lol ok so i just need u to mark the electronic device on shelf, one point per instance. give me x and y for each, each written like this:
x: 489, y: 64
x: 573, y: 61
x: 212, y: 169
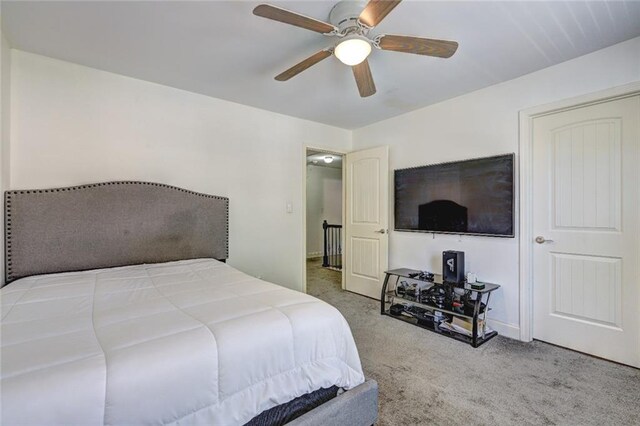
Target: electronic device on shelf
x: 423, y: 275
x: 424, y: 316
x: 396, y: 309
x: 435, y: 296
x: 476, y: 285
x: 453, y: 266
x: 412, y: 290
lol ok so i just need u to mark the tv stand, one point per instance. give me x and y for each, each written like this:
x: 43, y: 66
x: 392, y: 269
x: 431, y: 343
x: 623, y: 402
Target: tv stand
x: 435, y: 305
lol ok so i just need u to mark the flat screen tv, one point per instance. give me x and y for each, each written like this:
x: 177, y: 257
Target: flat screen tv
x: 463, y: 197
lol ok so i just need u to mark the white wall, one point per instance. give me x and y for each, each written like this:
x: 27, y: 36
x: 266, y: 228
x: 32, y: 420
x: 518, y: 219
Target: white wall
x: 5, y: 82
x: 324, y: 202
x: 479, y: 124
x: 72, y: 124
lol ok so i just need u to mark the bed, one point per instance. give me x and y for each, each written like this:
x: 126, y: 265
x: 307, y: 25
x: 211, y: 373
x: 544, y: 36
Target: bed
x: 119, y: 308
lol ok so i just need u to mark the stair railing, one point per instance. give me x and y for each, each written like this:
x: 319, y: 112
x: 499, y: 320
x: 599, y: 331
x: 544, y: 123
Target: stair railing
x: 332, y: 257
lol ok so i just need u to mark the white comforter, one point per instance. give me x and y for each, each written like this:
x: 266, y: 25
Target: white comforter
x: 190, y: 342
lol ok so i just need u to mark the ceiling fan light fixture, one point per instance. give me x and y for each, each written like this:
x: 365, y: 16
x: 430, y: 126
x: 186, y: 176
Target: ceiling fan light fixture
x: 353, y: 50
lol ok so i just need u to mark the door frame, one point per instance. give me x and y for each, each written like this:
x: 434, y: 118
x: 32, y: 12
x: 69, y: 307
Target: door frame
x: 526, y: 118
x: 343, y: 154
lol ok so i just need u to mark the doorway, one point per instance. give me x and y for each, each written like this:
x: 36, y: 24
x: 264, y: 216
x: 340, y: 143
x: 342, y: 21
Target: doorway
x: 324, y: 219
x: 352, y: 248
x: 582, y: 235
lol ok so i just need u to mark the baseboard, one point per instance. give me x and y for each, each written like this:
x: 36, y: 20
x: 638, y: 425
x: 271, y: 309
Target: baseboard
x: 507, y: 330
x: 314, y: 255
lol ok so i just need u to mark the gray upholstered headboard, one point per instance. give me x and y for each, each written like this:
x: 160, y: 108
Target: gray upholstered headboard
x: 110, y: 224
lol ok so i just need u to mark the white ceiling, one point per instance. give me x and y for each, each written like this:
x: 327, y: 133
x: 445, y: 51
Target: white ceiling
x: 219, y: 48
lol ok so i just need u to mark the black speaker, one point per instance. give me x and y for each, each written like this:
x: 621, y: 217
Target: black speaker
x: 453, y: 266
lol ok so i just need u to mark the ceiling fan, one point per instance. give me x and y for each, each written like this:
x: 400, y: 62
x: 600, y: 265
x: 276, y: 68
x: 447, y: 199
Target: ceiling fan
x: 351, y: 24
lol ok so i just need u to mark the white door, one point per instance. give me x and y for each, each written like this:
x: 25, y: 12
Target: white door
x: 367, y: 216
x: 586, y: 225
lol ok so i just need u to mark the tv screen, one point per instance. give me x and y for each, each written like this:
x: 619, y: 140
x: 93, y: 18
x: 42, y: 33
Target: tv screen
x: 463, y: 197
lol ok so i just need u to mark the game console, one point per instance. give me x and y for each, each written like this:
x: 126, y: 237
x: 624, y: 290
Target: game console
x: 453, y: 266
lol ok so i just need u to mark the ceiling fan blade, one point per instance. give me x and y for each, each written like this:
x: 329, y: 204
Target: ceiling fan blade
x: 301, y: 66
x: 376, y: 10
x: 364, y: 79
x: 292, y: 18
x: 418, y: 45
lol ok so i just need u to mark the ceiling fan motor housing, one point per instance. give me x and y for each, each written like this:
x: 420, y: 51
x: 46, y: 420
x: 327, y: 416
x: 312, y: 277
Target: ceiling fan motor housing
x: 344, y: 15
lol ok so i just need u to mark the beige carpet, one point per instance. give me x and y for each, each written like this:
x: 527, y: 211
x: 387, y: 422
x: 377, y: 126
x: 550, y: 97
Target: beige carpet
x: 427, y: 379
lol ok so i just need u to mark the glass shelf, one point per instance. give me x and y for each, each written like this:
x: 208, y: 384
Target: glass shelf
x: 482, y: 338
x: 401, y: 299
x: 437, y: 279
x: 408, y: 314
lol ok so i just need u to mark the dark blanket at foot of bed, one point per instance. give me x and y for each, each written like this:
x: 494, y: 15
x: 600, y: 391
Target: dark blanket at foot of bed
x: 284, y: 413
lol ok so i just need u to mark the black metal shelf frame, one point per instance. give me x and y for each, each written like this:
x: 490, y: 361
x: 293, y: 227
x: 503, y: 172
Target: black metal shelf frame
x: 477, y: 338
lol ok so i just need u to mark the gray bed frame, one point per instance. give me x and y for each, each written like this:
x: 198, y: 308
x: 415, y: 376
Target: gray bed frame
x: 110, y: 224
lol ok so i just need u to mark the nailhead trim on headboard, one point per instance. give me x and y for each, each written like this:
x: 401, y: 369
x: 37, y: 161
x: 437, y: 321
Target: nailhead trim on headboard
x: 8, y: 198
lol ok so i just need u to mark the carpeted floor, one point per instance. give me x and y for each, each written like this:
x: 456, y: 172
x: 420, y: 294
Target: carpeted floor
x: 426, y: 379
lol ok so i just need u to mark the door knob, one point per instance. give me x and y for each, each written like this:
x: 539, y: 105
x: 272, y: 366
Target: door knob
x: 380, y: 231
x: 541, y: 240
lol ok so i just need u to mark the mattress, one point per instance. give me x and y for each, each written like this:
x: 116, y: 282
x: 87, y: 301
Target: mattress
x: 188, y: 342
